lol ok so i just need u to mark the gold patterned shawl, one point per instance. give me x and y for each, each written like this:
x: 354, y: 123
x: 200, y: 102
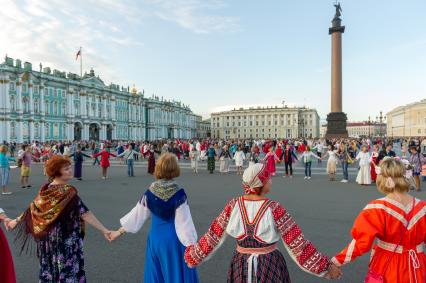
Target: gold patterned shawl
x: 52, y: 203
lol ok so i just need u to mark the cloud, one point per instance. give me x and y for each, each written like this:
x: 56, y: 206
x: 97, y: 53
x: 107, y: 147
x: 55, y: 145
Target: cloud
x: 195, y: 15
x: 52, y: 32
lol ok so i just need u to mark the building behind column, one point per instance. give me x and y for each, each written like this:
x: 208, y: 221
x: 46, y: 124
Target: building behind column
x: 53, y: 105
x: 266, y: 122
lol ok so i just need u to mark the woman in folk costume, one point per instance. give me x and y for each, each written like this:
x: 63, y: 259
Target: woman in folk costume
x: 374, y: 162
x: 364, y: 158
x: 224, y: 158
x: 270, y: 159
x: 331, y: 162
x: 104, y: 154
x: 194, y: 156
x: 279, y: 150
x: 257, y: 224
x: 78, y: 158
x: 172, y: 229
x: 395, y: 226
x: 417, y: 160
x: 239, y: 158
x: 55, y: 220
x: 151, y: 159
x: 7, y: 270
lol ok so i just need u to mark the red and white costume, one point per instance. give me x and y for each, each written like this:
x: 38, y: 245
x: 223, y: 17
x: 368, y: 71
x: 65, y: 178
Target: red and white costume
x: 257, y: 226
x: 383, y: 223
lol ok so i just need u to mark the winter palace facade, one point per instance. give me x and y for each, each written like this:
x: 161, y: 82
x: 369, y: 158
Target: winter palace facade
x: 52, y: 105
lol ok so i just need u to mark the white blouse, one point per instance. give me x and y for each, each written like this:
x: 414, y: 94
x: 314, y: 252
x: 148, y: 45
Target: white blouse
x: 133, y: 221
x: 364, y: 158
x: 266, y: 230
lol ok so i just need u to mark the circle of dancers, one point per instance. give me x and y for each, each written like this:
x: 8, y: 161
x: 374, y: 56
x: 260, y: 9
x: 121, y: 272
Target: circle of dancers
x: 392, y: 227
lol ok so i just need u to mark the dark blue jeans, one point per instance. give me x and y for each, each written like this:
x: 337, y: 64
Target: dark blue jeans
x: 308, y: 169
x: 345, y: 170
x: 130, y: 167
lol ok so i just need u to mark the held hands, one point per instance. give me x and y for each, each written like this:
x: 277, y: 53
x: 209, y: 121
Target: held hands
x: 10, y: 224
x: 334, y: 272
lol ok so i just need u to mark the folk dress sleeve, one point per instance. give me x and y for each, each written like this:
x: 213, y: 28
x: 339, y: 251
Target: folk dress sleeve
x: 211, y: 241
x: 368, y: 225
x: 302, y: 251
x: 185, y: 228
x: 133, y: 221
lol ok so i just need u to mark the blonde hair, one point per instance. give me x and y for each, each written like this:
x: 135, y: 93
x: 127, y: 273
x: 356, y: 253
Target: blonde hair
x: 394, y: 169
x: 167, y: 167
x: 3, y: 148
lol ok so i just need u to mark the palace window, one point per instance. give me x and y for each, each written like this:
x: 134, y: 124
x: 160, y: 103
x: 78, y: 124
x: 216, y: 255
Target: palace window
x: 46, y: 107
x: 64, y: 109
x: 26, y: 104
x: 24, y: 88
x: 12, y: 103
x: 55, y: 108
x: 36, y: 106
x: 55, y: 130
x: 12, y: 86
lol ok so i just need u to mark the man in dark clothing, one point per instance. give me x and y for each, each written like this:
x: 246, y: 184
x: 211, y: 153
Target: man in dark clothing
x: 287, y: 156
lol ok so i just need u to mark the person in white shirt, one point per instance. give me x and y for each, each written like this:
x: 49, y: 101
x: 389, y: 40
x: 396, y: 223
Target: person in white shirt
x: 194, y: 156
x: 239, y: 158
x: 364, y: 176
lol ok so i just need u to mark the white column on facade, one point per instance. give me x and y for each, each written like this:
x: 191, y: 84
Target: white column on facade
x: 104, y: 108
x: 70, y: 135
x: 41, y: 93
x: 20, y: 131
x: 31, y: 130
x: 114, y: 132
x: 83, y: 105
x: 19, y: 97
x: 42, y: 131
x: 30, y: 93
x: 86, y: 131
x: 70, y: 102
x: 113, y: 108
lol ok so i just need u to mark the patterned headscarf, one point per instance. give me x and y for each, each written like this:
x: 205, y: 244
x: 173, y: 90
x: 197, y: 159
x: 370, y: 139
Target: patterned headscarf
x: 255, y: 177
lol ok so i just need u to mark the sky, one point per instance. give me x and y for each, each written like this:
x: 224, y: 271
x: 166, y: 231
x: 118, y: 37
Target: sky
x: 219, y: 54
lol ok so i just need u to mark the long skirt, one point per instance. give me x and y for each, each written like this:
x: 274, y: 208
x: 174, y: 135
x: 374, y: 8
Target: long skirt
x: 7, y: 271
x: 271, y: 267
x: 224, y: 165
x: 77, y: 169
x: 194, y: 164
x: 364, y: 177
x: 331, y: 166
x: 164, y: 261
x: 151, y: 165
x: 210, y: 164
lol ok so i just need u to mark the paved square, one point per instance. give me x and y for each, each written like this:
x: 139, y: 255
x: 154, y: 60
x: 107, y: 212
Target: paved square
x: 324, y: 210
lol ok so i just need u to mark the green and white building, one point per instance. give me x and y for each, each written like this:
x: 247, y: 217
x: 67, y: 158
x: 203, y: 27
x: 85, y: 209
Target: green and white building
x: 52, y: 105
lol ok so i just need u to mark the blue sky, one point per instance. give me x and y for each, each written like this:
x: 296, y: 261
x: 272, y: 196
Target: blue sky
x: 217, y: 54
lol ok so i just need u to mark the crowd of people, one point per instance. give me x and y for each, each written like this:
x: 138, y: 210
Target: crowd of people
x: 55, y: 219
x: 364, y: 154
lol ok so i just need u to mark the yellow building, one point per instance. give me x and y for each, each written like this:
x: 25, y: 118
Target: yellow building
x: 408, y: 120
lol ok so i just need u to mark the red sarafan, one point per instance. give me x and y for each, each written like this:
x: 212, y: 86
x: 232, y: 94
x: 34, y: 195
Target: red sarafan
x: 398, y: 235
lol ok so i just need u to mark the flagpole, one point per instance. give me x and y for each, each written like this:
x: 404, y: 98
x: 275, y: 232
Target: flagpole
x: 81, y: 64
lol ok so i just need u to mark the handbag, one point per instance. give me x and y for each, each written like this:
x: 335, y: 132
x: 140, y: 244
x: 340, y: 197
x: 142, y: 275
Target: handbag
x: 374, y: 277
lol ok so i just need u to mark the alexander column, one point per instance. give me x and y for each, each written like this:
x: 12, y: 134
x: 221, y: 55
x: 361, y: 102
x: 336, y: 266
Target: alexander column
x: 336, y: 119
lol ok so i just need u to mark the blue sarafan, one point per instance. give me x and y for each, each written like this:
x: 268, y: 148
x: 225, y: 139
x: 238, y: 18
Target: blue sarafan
x: 172, y: 230
x: 49, y: 104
